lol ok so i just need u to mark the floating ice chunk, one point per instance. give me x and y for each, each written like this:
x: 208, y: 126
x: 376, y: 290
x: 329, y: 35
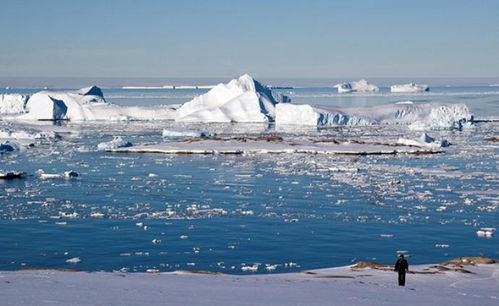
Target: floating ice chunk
x: 74, y: 260
x: 19, y: 133
x: 356, y: 86
x: 152, y: 271
x: 97, y: 215
x: 156, y: 241
x: 184, y: 237
x: 70, y: 174
x: 117, y: 142
x: 6, y: 175
x: 486, y: 232
x: 424, y: 141
x: 270, y: 268
x: 411, y: 87
x: 72, y: 215
x: 9, y: 146
x: 13, y: 103
x: 386, y: 236
x: 241, y: 100
x: 253, y: 268
x: 174, y: 134
x: 139, y: 224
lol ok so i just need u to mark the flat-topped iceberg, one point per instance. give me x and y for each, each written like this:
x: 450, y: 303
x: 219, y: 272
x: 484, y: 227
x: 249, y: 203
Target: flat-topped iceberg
x: 356, y: 86
x: 290, y: 114
x: 410, y: 87
x: 241, y: 100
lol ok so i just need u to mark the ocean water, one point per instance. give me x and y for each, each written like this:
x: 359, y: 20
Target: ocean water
x: 220, y: 213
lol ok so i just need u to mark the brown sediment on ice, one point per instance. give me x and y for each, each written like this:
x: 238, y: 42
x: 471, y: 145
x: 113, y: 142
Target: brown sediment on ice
x: 470, y: 261
x: 493, y: 139
x: 267, y: 138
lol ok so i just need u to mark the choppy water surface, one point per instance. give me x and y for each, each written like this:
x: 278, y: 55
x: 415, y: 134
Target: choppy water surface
x: 221, y: 213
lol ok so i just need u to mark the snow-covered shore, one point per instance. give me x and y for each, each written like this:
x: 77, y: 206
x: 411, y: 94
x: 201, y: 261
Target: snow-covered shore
x: 426, y: 285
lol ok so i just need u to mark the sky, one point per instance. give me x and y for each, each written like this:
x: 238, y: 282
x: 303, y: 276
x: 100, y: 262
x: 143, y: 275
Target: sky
x: 282, y: 39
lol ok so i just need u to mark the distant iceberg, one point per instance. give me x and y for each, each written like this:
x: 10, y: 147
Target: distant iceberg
x: 358, y: 86
x: 411, y: 87
x: 241, y: 100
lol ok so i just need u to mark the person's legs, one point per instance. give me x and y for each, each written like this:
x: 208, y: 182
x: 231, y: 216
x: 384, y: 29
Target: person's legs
x: 401, y: 279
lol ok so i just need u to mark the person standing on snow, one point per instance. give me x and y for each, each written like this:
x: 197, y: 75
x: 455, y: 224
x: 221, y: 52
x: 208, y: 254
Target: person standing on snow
x: 401, y: 266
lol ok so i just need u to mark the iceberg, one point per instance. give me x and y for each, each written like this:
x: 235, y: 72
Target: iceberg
x: 356, y: 86
x: 241, y: 100
x: 13, y: 103
x: 175, y: 134
x: 410, y: 87
x: 87, y: 104
x: 117, y: 142
x: 410, y: 114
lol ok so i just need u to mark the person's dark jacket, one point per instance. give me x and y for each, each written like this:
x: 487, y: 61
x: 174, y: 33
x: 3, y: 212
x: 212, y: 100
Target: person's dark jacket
x: 401, y: 266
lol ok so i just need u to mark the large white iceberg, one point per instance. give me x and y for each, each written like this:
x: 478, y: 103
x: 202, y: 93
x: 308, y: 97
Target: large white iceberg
x: 290, y: 114
x: 356, y: 86
x: 410, y: 87
x: 87, y: 104
x: 13, y: 103
x: 240, y: 100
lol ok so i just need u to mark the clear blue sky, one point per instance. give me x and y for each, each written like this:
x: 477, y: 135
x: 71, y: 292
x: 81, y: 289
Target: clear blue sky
x: 378, y: 38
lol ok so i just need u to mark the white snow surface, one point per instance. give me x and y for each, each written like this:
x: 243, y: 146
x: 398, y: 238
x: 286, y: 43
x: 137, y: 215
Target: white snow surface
x: 332, y: 286
x: 408, y: 88
x: 356, y: 86
x: 240, y: 100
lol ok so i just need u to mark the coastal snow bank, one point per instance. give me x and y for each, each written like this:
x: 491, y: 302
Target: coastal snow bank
x: 356, y: 86
x: 241, y: 100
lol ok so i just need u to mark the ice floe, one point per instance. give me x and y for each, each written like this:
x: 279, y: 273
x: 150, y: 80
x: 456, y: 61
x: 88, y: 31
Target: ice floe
x: 11, y: 174
x: 356, y: 86
x: 272, y: 144
x: 424, y: 141
x: 117, y: 142
x: 9, y: 146
x: 409, y: 88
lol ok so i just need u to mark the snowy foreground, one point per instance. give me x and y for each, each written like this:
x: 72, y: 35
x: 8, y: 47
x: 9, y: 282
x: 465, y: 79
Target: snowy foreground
x: 426, y: 285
